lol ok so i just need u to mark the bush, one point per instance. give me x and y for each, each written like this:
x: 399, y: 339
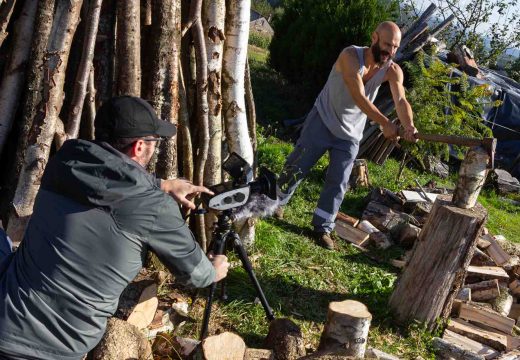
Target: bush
x: 262, y: 41
x: 310, y: 34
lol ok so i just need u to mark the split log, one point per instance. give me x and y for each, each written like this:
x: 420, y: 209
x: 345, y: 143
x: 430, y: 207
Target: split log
x: 104, y: 59
x: 224, y: 346
x: 515, y: 287
x: 41, y: 135
x: 440, y: 259
x: 351, y: 234
x: 122, y: 341
x: 483, y: 243
x: 514, y: 313
x: 448, y: 351
x: 484, y: 290
x: 359, y: 175
x: 505, y: 182
x: 487, y: 317
x: 144, y: 312
x: 495, y: 251
x: 14, y: 74
x: 384, y: 218
x: 512, y: 355
x: 258, y: 354
x: 347, y: 219
x: 464, y: 294
x: 472, y: 175
x: 408, y: 234
x: 285, y: 339
x: 372, y: 353
x: 479, y: 273
x: 380, y: 239
x: 496, y: 340
x: 480, y: 258
x: 128, y: 74
x: 503, y: 302
x: 470, y: 345
x: 184, y: 131
x: 346, y: 328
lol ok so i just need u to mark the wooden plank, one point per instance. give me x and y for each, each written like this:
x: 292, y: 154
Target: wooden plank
x: 515, y: 287
x: 470, y: 345
x: 488, y: 272
x: 351, y: 234
x: 495, y: 251
x: 496, y: 340
x: 487, y: 317
x: 350, y: 220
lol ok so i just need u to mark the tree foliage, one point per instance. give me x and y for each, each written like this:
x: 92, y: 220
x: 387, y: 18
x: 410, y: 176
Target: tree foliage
x: 444, y: 104
x: 514, y: 70
x: 309, y: 35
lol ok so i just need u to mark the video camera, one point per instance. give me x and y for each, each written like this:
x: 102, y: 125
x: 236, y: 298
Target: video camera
x: 235, y: 193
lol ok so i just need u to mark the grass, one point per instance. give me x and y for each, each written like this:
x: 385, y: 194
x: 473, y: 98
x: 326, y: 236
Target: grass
x: 298, y: 277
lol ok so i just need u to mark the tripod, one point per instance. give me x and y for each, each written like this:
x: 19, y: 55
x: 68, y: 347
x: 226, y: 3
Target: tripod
x: 222, y: 234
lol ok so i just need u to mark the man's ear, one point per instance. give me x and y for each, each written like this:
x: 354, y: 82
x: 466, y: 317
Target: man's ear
x: 136, y: 149
x: 375, y: 37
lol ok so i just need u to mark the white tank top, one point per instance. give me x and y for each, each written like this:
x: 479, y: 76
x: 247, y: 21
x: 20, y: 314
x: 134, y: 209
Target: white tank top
x: 336, y: 107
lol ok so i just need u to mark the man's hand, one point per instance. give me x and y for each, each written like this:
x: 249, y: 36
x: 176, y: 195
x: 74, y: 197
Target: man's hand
x: 409, y: 133
x: 221, y: 266
x: 390, y: 131
x: 183, y: 191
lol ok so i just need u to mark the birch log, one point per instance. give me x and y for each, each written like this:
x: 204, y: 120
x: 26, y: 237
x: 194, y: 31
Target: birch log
x: 472, y: 175
x: 6, y: 11
x: 14, y: 76
x: 82, y: 76
x: 162, y: 84
x: 128, y: 80
x: 346, y: 328
x: 104, y: 54
x: 64, y: 26
x: 440, y: 259
x: 213, y: 20
x: 233, y: 93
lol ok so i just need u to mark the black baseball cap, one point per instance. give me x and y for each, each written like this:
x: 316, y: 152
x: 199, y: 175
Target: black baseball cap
x: 128, y: 117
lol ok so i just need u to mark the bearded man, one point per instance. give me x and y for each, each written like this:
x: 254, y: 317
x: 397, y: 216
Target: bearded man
x: 336, y: 123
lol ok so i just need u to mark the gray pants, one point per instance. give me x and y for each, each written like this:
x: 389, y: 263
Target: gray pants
x: 314, y: 141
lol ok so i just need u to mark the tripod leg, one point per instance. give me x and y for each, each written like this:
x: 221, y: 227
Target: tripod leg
x: 219, y: 247
x: 242, y: 254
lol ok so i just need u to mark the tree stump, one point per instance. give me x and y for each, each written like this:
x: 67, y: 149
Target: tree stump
x: 122, y: 341
x: 472, y: 175
x: 436, y: 271
x: 359, y: 174
x: 346, y: 328
x: 286, y: 340
x: 227, y: 346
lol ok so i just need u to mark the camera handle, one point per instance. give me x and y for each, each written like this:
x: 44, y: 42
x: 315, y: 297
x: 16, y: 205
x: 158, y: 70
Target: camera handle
x: 222, y: 234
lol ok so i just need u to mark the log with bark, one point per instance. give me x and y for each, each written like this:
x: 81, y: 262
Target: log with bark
x: 346, y: 328
x: 441, y: 256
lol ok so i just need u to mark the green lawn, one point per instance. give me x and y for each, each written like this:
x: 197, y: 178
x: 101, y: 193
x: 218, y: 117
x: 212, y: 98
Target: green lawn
x: 298, y: 277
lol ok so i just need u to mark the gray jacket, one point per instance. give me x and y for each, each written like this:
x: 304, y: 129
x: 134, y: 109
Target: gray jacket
x: 95, y: 217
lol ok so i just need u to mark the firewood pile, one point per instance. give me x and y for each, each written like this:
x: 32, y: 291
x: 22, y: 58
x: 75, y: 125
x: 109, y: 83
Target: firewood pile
x: 486, y: 309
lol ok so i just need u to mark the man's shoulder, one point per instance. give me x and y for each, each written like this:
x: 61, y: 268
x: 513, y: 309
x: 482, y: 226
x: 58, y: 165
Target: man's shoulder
x: 394, y: 71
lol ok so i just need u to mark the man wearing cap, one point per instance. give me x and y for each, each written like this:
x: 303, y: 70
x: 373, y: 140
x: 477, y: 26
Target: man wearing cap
x: 96, y: 215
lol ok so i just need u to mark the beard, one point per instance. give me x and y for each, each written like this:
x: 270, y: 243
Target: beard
x: 379, y: 54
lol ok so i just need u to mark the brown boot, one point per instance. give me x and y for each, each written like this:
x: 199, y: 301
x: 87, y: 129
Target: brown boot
x: 324, y: 240
x: 278, y: 213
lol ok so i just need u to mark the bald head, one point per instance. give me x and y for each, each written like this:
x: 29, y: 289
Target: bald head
x: 385, y: 41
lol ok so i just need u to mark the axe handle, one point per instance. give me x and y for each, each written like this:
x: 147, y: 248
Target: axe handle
x: 449, y: 139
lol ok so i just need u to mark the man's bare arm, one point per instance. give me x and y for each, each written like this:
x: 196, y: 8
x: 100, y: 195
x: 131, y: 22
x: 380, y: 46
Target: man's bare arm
x: 402, y: 106
x: 348, y: 65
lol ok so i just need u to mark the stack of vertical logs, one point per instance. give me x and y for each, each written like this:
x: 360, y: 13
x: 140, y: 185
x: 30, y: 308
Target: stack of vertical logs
x: 64, y: 59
